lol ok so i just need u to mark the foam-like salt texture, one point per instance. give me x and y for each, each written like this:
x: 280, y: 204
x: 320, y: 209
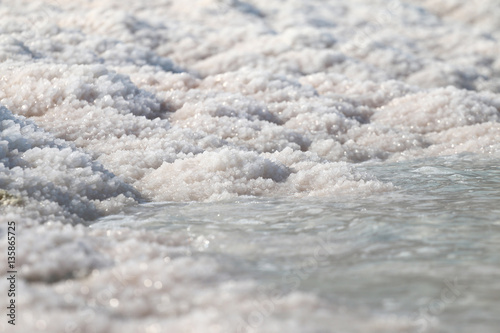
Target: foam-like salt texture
x: 107, y: 104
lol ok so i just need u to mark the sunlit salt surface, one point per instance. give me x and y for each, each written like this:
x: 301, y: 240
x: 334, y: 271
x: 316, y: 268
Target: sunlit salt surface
x: 297, y: 166
x: 424, y: 258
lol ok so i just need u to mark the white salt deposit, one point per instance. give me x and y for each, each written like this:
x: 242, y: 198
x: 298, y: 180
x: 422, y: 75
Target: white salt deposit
x: 108, y: 104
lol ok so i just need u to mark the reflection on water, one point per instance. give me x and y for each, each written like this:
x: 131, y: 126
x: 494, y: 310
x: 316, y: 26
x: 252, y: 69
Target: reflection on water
x: 427, y: 254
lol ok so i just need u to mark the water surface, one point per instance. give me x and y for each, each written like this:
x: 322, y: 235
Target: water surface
x: 425, y: 256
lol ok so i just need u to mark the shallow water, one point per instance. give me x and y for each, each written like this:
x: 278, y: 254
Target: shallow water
x: 421, y: 258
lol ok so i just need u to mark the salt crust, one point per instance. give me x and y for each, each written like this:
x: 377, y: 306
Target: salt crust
x: 106, y: 104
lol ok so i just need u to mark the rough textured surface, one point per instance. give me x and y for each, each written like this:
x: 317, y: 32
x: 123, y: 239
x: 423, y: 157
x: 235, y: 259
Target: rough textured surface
x: 107, y: 104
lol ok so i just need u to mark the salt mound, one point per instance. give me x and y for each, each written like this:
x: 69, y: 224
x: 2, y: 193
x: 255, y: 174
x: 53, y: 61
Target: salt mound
x: 54, y: 178
x: 441, y: 109
x: 161, y: 95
